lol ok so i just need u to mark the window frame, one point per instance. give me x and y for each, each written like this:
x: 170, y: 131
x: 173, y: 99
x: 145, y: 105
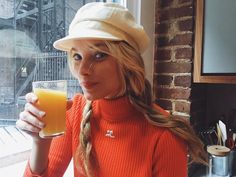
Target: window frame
x: 144, y: 14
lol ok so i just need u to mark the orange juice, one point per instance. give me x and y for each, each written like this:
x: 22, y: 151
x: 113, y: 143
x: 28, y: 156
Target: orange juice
x: 53, y: 102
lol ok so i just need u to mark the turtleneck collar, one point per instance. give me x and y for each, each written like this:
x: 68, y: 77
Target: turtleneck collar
x: 114, y: 109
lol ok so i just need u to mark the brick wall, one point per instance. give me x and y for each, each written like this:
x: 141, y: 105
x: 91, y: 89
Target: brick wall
x: 174, y: 46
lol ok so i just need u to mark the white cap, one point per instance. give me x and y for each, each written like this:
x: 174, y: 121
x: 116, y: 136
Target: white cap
x: 104, y: 21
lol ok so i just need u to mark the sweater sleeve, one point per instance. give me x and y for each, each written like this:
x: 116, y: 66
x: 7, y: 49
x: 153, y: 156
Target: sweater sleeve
x: 59, y: 155
x: 170, y: 158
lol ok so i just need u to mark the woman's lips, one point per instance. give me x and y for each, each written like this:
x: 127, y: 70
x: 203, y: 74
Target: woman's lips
x: 88, y: 85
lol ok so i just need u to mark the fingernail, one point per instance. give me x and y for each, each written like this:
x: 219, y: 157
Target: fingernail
x: 41, y: 113
x: 34, y: 98
x: 41, y: 124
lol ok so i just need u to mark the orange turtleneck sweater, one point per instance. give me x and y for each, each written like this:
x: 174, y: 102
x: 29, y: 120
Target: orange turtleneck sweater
x: 126, y: 144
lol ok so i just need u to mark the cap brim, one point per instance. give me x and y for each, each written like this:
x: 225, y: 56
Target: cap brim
x: 68, y: 42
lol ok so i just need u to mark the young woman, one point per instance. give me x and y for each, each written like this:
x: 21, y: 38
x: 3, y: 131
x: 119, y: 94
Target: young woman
x: 114, y: 129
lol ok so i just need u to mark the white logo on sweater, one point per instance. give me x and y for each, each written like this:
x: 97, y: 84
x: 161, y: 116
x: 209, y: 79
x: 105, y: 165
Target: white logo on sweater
x: 109, y: 133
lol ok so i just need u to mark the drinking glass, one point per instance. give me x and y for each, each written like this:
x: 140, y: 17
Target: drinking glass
x: 52, y: 96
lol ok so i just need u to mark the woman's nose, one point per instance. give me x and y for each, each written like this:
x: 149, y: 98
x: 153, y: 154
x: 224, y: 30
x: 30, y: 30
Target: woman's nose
x: 86, y: 67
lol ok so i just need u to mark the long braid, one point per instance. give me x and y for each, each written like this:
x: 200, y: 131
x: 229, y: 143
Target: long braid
x: 179, y: 127
x: 85, y: 144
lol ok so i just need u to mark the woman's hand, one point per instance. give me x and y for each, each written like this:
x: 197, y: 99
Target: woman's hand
x: 31, y: 118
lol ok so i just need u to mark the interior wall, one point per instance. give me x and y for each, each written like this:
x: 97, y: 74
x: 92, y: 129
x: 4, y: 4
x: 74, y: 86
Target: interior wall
x: 221, y: 100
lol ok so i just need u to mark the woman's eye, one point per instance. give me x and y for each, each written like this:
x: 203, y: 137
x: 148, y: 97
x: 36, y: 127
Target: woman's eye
x: 100, y: 56
x: 77, y: 56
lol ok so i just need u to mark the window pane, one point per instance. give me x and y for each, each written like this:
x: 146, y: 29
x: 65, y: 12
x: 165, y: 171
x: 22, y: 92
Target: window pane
x: 28, y: 29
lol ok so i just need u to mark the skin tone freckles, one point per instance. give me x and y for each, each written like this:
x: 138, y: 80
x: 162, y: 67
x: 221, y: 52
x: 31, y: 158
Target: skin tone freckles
x: 97, y: 72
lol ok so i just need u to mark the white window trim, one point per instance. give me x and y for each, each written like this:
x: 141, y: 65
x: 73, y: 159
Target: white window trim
x: 144, y: 13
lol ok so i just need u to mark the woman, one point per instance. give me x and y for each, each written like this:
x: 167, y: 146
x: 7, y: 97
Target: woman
x: 114, y: 129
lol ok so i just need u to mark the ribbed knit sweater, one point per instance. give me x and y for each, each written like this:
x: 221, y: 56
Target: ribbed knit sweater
x: 125, y: 143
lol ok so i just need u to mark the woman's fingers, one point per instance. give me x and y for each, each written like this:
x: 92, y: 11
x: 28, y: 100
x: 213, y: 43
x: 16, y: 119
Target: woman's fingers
x: 30, y: 119
x: 34, y: 110
x: 26, y: 126
x: 29, y: 122
x: 31, y: 97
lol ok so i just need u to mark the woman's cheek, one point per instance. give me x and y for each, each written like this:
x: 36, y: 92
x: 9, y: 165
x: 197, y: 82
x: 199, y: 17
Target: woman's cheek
x: 76, y: 71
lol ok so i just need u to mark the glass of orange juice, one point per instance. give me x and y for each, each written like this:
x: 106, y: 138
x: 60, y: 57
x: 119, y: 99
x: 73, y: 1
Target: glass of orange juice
x: 52, y: 96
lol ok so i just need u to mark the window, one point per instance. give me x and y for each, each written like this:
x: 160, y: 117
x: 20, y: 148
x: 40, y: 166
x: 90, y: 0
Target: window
x: 28, y: 29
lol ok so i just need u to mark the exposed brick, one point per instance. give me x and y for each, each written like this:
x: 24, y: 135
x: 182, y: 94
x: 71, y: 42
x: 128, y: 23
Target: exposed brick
x: 182, y: 39
x: 164, y: 79
x: 157, y: 15
x: 164, y: 3
x: 162, y: 28
x: 174, y: 67
x: 184, y: 81
x: 184, y: 53
x: 185, y: 1
x: 173, y: 93
x: 184, y: 11
x: 162, y: 41
x: 174, y: 31
x: 165, y: 104
x: 181, y: 106
x: 172, y: 13
x: 164, y: 54
x: 186, y: 25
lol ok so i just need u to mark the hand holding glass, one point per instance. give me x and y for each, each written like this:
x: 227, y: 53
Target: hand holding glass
x: 52, y: 96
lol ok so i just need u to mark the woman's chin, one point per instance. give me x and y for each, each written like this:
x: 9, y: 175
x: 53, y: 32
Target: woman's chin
x: 90, y: 97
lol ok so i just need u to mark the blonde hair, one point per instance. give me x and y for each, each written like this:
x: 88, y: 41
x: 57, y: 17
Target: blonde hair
x: 139, y: 91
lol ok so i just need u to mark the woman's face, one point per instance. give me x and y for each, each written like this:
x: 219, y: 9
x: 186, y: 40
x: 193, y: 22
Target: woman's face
x: 97, y: 72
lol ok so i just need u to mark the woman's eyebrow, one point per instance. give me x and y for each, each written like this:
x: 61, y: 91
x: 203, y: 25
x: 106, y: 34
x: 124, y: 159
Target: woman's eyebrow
x: 99, y: 44
x: 72, y: 50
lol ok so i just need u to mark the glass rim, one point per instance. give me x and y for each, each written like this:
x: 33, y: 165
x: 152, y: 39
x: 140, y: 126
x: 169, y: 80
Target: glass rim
x: 49, y: 81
